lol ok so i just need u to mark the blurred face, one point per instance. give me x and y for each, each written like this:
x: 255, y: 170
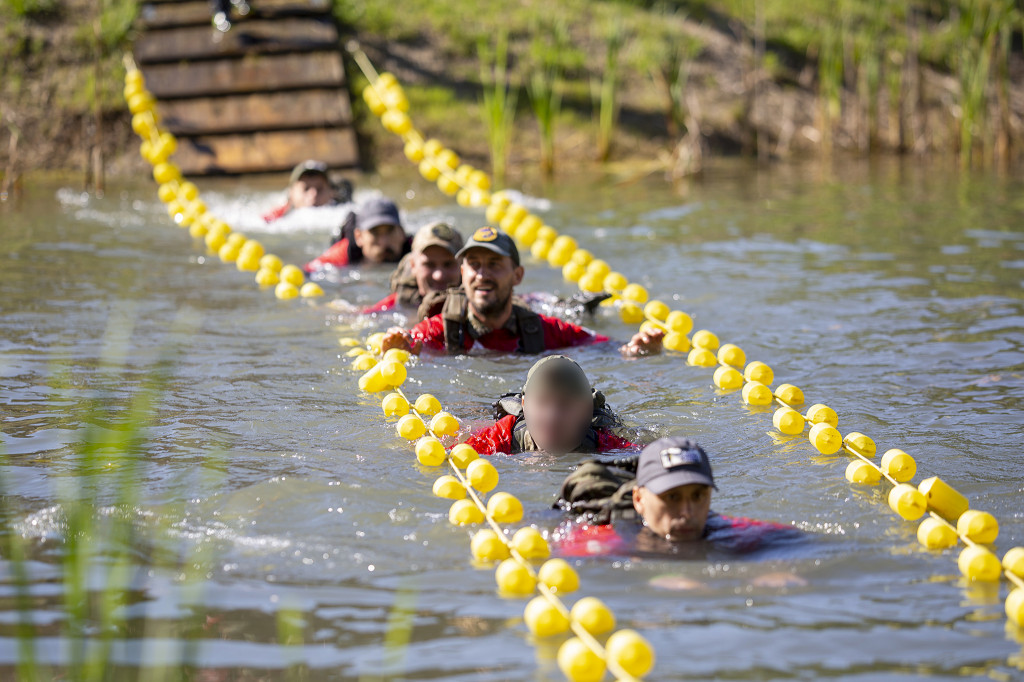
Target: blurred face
x: 678, y: 514
x: 381, y: 244
x: 489, y: 279
x: 435, y: 269
x: 557, y: 421
x: 311, y: 189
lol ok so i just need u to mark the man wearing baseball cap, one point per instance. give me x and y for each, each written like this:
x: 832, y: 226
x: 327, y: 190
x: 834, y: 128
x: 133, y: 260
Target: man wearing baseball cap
x: 666, y: 503
x: 557, y: 411
x: 483, y: 313
x: 423, y: 277
x: 373, y: 233
x: 309, y: 186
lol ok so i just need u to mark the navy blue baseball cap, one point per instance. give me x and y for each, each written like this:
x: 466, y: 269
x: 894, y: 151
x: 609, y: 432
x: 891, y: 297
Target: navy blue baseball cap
x: 671, y: 462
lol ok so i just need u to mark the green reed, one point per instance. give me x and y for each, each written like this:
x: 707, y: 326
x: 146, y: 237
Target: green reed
x: 607, y: 91
x: 98, y: 498
x: 551, y: 42
x: 500, y: 100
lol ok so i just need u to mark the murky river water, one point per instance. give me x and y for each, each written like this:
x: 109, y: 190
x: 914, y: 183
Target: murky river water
x: 893, y: 293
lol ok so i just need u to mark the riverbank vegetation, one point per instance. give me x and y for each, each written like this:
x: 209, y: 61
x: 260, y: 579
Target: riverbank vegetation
x: 534, y: 86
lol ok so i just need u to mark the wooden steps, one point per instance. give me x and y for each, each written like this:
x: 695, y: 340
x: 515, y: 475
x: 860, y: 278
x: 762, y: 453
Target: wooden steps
x: 262, y: 97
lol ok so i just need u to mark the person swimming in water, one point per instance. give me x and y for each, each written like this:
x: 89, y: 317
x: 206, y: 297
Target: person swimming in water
x: 658, y: 503
x: 309, y: 186
x: 423, y: 277
x: 557, y: 411
x: 482, y: 312
x: 372, y: 233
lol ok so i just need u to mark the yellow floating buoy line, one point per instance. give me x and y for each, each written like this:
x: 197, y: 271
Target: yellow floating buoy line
x: 189, y: 211
x: 626, y: 654
x: 949, y: 520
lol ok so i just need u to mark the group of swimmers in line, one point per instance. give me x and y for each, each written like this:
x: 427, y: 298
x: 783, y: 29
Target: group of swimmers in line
x: 461, y: 294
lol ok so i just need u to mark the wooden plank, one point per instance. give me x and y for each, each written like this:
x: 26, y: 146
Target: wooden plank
x: 197, y: 12
x: 262, y: 152
x: 254, y: 73
x: 261, y: 36
x: 261, y: 111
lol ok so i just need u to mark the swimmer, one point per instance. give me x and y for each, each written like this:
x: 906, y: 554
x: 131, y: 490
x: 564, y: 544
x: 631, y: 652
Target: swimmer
x: 423, y: 277
x: 309, y: 187
x: 373, y: 233
x: 557, y: 412
x: 482, y: 312
x: 664, y: 510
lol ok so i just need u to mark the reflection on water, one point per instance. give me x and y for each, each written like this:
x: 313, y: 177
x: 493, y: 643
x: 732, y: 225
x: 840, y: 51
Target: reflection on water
x: 892, y: 292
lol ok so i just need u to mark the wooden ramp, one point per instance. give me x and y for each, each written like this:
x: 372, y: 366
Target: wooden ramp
x: 264, y: 96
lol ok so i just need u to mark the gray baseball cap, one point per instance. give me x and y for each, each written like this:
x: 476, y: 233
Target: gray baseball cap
x: 376, y: 212
x: 437, y: 233
x: 492, y: 240
x: 310, y: 166
x: 671, y: 462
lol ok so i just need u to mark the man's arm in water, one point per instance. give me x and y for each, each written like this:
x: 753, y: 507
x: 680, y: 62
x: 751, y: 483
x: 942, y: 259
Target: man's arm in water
x: 431, y: 332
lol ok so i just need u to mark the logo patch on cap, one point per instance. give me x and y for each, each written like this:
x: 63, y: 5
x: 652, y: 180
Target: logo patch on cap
x: 677, y: 457
x: 485, y: 234
x: 442, y: 231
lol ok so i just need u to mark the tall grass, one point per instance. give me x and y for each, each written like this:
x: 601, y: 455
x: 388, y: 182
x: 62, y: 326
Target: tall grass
x: 550, y: 44
x: 500, y: 100
x: 978, y: 31
x: 99, y: 501
x: 607, y: 91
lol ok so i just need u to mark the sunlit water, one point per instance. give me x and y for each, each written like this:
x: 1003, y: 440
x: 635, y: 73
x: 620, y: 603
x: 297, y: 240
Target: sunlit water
x: 893, y: 293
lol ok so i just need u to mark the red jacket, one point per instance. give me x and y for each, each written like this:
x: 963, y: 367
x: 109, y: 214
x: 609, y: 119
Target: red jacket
x: 730, y: 533
x: 275, y: 214
x: 337, y: 255
x: 384, y: 305
x: 498, y: 438
x: 557, y: 334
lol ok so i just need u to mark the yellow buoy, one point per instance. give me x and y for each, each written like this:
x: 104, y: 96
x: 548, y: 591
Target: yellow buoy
x: 465, y: 513
x: 487, y: 547
x: 394, y: 404
x: 444, y: 424
x: 505, y: 508
x: 530, y: 544
x: 822, y: 414
x: 935, y: 534
x: 825, y: 438
x: 789, y: 394
x: 731, y: 354
x: 463, y: 454
x: 449, y: 488
x: 978, y: 526
x: 593, y: 615
x: 759, y: 371
x: 788, y: 421
x: 482, y: 475
x: 578, y: 663
x: 631, y: 652
x: 544, y: 619
x: 427, y: 404
x: 943, y: 499
x: 859, y: 471
x: 859, y: 443
x: 704, y: 339
x: 977, y: 564
x: 907, y: 501
x: 559, y: 576
x: 430, y: 452
x: 514, y: 579
x: 899, y: 465
x: 756, y: 393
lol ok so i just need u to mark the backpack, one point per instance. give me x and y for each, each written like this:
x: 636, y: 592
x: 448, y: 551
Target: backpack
x: 600, y: 490
x: 456, y: 316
